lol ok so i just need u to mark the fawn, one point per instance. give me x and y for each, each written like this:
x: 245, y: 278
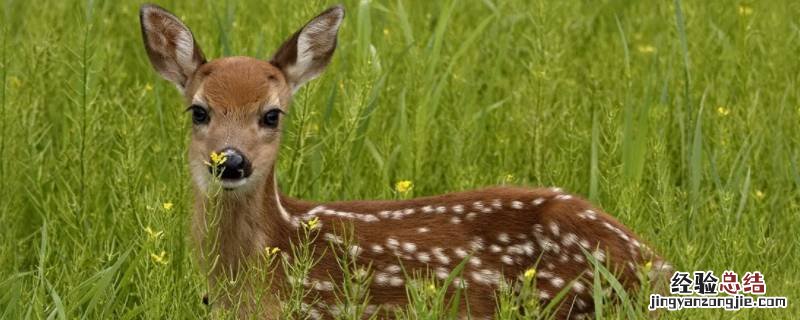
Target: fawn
x: 237, y: 106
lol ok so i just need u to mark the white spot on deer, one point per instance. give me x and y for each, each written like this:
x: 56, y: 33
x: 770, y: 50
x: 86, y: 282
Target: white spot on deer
x: 377, y: 248
x: 478, y: 205
x: 393, y: 268
x: 599, y: 255
x: 486, y: 276
x: 548, y: 245
x: 588, y: 214
x: 538, y: 201
x: 459, y: 208
x: 442, y: 273
x: 427, y: 209
x: 578, y: 287
x: 578, y: 257
x: 397, y: 215
x: 507, y: 259
x: 455, y: 220
x: 438, y: 253
x: 553, y: 228
x: 392, y: 243
x: 369, y: 218
x: 497, y: 204
x: 460, y: 252
x: 384, y: 214
x: 471, y: 216
x: 581, y: 304
x: 503, y: 237
x: 441, y: 209
x: 537, y: 230
x: 408, y: 211
x: 475, y: 261
x: 544, y: 295
x: 423, y: 229
x: 381, y: 278
x: 460, y: 283
x: 563, y: 258
x: 569, y: 239
x: 476, y: 244
x: 495, y: 248
x: 563, y: 197
x: 423, y: 257
x: 557, y: 282
x: 585, y: 244
x: 544, y: 275
x: 522, y: 236
x: 323, y: 285
x: 332, y: 238
x: 395, y: 281
x: 516, y: 204
x: 409, y: 247
x: 556, y: 189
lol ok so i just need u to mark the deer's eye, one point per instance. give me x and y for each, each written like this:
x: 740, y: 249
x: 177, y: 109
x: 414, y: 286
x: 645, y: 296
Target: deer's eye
x: 199, y: 115
x: 271, y: 118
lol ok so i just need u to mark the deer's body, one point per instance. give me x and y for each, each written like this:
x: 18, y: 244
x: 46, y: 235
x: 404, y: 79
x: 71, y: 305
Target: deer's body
x: 498, y: 233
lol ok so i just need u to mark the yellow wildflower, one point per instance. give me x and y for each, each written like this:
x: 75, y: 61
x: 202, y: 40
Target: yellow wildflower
x: 153, y: 235
x: 385, y: 32
x: 745, y: 9
x: 167, y: 206
x: 271, y: 250
x: 431, y: 288
x: 648, y: 265
x: 403, y: 186
x: 217, y: 159
x: 529, y: 274
x: 509, y: 178
x: 646, y: 48
x: 312, y: 224
x: 159, y: 258
x: 148, y: 87
x: 760, y: 195
x: 722, y: 111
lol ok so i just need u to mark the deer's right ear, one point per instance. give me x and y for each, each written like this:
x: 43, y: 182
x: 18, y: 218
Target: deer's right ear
x: 170, y: 45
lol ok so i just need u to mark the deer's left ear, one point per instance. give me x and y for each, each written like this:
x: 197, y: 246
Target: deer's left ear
x: 306, y: 54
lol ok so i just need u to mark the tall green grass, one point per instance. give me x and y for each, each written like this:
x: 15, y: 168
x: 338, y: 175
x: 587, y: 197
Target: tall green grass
x: 680, y: 118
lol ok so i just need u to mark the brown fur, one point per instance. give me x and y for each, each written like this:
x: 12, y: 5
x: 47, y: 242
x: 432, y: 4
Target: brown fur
x: 523, y: 223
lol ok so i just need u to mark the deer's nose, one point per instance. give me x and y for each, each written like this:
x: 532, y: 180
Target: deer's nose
x: 234, y: 167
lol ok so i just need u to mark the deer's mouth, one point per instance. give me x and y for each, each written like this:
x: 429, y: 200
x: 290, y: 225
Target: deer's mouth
x: 233, y: 184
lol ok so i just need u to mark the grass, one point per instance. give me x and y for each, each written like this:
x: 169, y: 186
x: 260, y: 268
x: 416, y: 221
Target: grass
x: 679, y: 118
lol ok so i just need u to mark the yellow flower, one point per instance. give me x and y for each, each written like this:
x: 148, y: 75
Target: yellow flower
x: 153, y: 235
x: 148, y: 87
x: 431, y: 288
x: 529, y: 274
x: 385, y: 32
x: 167, y: 206
x: 270, y: 251
x: 646, y: 48
x: 509, y: 178
x: 648, y: 265
x: 159, y: 258
x: 722, y: 111
x: 217, y: 159
x: 403, y: 186
x: 312, y: 224
x: 760, y: 195
x: 745, y: 9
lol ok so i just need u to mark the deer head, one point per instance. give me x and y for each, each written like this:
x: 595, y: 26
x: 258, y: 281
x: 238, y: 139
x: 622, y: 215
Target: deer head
x: 237, y: 103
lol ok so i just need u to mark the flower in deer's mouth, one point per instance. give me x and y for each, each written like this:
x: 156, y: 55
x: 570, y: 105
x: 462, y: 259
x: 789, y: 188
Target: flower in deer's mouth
x: 403, y: 186
x: 217, y: 159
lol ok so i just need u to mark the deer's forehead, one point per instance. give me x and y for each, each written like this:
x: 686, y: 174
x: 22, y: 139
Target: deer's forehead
x: 239, y: 83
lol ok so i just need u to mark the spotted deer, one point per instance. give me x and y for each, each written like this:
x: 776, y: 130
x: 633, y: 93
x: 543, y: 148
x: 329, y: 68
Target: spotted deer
x: 237, y: 106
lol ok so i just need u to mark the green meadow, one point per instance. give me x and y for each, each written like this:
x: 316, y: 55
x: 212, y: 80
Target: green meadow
x: 680, y: 118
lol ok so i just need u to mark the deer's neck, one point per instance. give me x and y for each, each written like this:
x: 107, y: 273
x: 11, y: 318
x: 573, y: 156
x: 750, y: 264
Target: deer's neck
x: 246, y: 223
